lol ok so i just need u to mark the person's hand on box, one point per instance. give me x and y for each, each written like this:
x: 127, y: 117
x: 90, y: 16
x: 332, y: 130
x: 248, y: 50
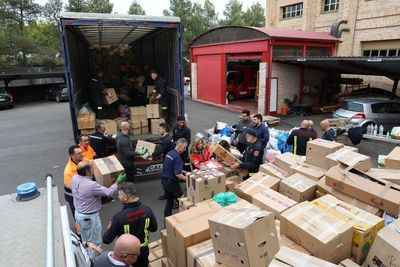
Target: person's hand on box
x: 121, y: 177
x: 234, y: 166
x: 142, y: 151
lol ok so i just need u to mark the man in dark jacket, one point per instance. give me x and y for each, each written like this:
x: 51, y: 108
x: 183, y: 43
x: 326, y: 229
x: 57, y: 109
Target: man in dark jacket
x: 261, y: 130
x: 135, y: 218
x: 126, y: 153
x: 96, y: 89
x: 99, y: 142
x: 182, y: 131
x: 167, y: 144
x: 161, y: 91
x: 298, y: 138
x: 240, y: 130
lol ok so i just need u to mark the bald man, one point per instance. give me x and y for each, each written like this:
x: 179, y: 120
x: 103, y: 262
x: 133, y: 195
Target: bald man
x: 125, y: 253
x: 327, y: 132
x: 311, y: 129
x: 298, y: 138
x: 126, y: 153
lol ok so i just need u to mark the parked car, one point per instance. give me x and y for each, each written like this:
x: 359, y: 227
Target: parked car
x: 58, y: 93
x: 6, y: 99
x: 375, y: 111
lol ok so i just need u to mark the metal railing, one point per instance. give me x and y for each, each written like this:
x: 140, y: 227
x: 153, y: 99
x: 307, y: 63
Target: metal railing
x: 49, y: 235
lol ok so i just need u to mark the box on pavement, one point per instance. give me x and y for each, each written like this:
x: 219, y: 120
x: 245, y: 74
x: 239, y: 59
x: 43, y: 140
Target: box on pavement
x: 118, y: 121
x: 390, y: 175
x: 202, y: 255
x: 318, y: 149
x: 386, y: 248
x: 185, y: 204
x: 243, y: 237
x: 349, y: 158
x: 273, y: 170
x: 325, y: 189
x: 164, y: 245
x: 323, y: 235
x: 155, y: 250
x: 144, y: 144
x: 288, y: 257
x: 110, y: 96
x: 188, y: 228
x: 154, y: 124
x: 138, y: 113
x: 365, y: 225
x: 348, y: 263
x: 314, y: 173
x: 286, y: 161
x: 86, y: 121
x: 136, y: 128
x: 374, y: 191
x: 286, y: 242
x: 298, y: 187
x: 224, y: 154
x: 106, y: 170
x: 351, y: 148
x: 256, y: 184
x: 111, y: 126
x: 204, y: 184
x: 154, y: 111
x: 392, y: 161
x: 273, y: 201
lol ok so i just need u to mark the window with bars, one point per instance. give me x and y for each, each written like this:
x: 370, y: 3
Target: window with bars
x: 292, y: 11
x: 331, y: 5
x: 381, y: 53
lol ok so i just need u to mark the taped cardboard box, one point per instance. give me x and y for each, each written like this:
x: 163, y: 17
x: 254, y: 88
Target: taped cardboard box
x: 188, y: 228
x: 106, y: 170
x: 244, y: 237
x: 286, y: 242
x: 155, y: 250
x: 351, y: 148
x: 86, y: 121
x: 386, y: 249
x: 224, y: 154
x: 298, y: 187
x: 323, y: 235
x: 256, y: 184
x: 202, y: 185
x: 202, y: 255
x: 164, y: 245
x: 286, y: 161
x: 156, y: 263
x: 153, y: 111
x: 288, y: 257
x: 111, y: 126
x: 349, y: 158
x: 135, y: 127
x: 273, y: 170
x: 392, y: 161
x: 229, y: 186
x: 235, y: 179
x: 366, y: 225
x: 118, y: 121
x: 138, y: 113
x: 390, y: 175
x: 144, y: 144
x: 348, y: 263
x: 314, y: 173
x: 324, y: 189
x: 228, y: 171
x: 273, y: 201
x: 185, y: 204
x: 374, y: 191
x: 154, y: 124
x: 318, y: 149
x: 109, y: 96
x: 144, y: 124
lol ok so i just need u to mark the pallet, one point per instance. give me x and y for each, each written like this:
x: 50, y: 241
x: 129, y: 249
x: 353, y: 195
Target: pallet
x: 271, y: 120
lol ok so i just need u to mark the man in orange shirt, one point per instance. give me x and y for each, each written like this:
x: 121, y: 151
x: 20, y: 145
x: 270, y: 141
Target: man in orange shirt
x: 75, y: 156
x: 87, y: 150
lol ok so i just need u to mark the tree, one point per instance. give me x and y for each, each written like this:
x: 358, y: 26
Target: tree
x: 77, y: 6
x: 100, y: 6
x: 136, y: 9
x: 233, y: 13
x: 51, y: 10
x: 209, y: 14
x: 254, y: 16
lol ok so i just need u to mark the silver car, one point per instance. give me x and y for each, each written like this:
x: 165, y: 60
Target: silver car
x: 366, y: 111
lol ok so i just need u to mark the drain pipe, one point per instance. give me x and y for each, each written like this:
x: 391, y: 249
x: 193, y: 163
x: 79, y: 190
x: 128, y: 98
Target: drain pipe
x: 49, y: 235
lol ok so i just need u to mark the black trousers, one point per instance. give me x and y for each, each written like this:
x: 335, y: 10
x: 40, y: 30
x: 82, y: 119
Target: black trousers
x: 70, y: 200
x: 130, y: 173
x: 173, y: 191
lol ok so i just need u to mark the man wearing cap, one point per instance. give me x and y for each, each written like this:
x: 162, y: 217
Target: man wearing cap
x: 252, y: 158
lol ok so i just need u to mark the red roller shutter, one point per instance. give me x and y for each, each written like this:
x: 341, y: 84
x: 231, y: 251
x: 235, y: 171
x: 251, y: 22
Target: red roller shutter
x: 209, y: 78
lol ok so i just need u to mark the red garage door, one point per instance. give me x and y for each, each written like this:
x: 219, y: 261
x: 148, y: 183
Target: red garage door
x: 209, y: 78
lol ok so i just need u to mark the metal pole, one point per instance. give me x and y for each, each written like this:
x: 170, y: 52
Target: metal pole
x: 49, y: 236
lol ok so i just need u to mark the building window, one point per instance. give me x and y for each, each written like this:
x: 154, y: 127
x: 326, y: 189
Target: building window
x: 381, y: 53
x: 315, y: 51
x: 287, y: 51
x: 331, y: 5
x: 292, y: 11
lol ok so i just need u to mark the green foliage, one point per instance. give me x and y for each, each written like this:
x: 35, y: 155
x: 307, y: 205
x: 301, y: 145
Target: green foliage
x: 136, y: 9
x: 100, y: 6
x: 234, y: 14
x: 77, y: 6
x: 51, y: 10
x: 254, y: 16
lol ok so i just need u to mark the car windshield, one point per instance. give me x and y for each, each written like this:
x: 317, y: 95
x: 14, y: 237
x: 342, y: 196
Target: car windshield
x: 352, y: 106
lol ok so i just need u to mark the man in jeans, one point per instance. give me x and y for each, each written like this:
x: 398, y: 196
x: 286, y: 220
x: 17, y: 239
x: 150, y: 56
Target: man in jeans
x: 87, y: 201
x: 171, y: 174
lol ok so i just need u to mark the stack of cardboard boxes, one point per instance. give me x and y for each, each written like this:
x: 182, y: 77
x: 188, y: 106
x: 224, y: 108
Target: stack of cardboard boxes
x: 154, y: 114
x: 138, y: 120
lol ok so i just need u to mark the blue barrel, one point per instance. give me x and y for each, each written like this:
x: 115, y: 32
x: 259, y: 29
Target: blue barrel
x: 27, y: 191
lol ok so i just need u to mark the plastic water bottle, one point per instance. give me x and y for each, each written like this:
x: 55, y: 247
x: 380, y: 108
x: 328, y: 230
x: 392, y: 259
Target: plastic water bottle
x: 375, y: 130
x: 388, y: 135
x: 369, y: 129
x: 381, y: 130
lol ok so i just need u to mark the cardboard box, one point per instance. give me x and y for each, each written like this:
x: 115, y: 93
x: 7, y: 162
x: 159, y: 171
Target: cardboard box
x: 348, y: 263
x: 273, y: 201
x: 256, y: 184
x: 138, y: 113
x: 150, y: 89
x: 323, y: 235
x: 156, y: 263
x: 109, y: 96
x: 202, y: 255
x: 366, y: 225
x: 288, y: 257
x: 154, y: 111
x: 325, y: 189
x: 136, y: 128
x: 144, y: 124
x: 111, y: 126
x: 286, y: 242
x: 390, y: 175
x: 244, y: 237
x: 392, y: 160
x: 236, y: 179
x: 377, y: 192
x: 188, y: 228
x: 228, y: 171
x: 154, y: 124
x: 144, y: 144
x: 386, y: 249
x: 224, y: 154
x: 202, y: 185
x: 164, y: 244
x: 273, y: 170
x: 106, y: 170
x: 88, y: 131
x: 229, y: 186
x: 155, y: 250
x: 308, y: 171
x: 298, y: 187
x: 318, y: 149
x: 118, y: 121
x: 351, y: 148
x: 165, y: 262
x: 349, y: 158
x: 86, y: 121
x: 185, y: 204
x: 286, y: 161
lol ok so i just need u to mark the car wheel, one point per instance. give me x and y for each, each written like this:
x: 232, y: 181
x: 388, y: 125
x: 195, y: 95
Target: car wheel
x: 231, y: 97
x: 58, y: 99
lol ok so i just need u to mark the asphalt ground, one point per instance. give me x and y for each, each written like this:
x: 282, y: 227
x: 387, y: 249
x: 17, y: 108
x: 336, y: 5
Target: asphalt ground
x: 35, y: 138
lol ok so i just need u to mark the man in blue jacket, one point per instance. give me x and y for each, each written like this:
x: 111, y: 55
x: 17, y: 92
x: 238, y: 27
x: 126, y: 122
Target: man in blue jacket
x: 261, y: 130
